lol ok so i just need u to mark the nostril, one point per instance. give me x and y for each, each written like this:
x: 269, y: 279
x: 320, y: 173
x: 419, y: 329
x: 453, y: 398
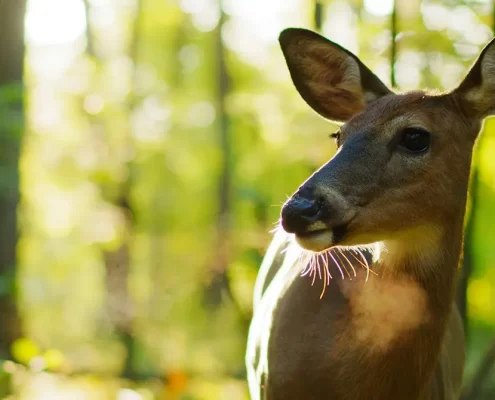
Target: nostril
x: 312, y: 208
x: 299, y: 212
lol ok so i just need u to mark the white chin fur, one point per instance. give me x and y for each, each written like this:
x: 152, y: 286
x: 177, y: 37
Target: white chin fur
x: 316, y: 242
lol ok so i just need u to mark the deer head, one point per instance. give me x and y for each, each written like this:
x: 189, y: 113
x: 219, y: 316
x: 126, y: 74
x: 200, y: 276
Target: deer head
x: 403, y: 160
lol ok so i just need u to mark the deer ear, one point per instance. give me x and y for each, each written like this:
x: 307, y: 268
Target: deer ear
x: 329, y: 78
x: 477, y: 90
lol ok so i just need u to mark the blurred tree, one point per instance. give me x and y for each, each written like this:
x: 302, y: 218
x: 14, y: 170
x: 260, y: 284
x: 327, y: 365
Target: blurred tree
x: 11, y: 132
x: 119, y: 306
x: 89, y: 36
x: 219, y: 284
x: 475, y: 388
x: 393, y: 43
x: 318, y: 15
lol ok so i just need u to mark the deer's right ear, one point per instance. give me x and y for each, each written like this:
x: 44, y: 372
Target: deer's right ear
x: 329, y: 78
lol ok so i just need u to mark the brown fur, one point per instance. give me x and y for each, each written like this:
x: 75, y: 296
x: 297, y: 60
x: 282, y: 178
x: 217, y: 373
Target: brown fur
x: 396, y: 335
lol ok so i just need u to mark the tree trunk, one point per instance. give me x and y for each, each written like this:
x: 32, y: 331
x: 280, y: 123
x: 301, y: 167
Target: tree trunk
x: 11, y: 131
x: 218, y: 286
x: 318, y: 16
x: 119, y: 305
x: 393, y: 45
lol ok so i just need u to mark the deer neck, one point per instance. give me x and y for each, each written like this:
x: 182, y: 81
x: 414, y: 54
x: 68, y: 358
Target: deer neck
x: 412, y: 292
x: 399, y: 314
x: 427, y: 256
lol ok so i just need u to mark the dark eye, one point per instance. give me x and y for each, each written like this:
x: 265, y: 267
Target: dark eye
x: 415, y: 140
x: 336, y: 136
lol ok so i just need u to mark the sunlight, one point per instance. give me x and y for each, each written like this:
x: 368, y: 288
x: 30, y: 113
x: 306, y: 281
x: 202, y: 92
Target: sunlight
x: 51, y: 22
x: 254, y: 25
x: 128, y: 394
x: 379, y: 7
x: 341, y: 25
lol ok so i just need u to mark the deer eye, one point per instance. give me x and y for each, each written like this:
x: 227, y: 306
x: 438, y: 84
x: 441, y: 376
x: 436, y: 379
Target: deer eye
x: 415, y: 140
x: 336, y: 136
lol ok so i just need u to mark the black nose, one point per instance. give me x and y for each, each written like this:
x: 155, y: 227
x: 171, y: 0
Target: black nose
x: 300, y: 211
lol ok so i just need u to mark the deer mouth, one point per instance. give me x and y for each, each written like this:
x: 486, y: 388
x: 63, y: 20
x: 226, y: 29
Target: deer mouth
x: 321, y: 239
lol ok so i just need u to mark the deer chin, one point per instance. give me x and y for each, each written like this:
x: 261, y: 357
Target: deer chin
x: 316, y: 240
x: 321, y: 239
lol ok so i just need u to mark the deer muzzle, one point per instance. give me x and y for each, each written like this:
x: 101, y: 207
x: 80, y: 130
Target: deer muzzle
x: 316, y: 216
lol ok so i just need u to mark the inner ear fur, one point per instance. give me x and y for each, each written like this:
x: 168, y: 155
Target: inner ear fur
x: 332, y: 80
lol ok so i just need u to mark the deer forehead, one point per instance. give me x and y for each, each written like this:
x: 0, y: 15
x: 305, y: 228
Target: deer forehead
x: 390, y: 113
x: 386, y: 128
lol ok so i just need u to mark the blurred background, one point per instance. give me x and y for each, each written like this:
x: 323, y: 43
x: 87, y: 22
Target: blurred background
x: 146, y: 148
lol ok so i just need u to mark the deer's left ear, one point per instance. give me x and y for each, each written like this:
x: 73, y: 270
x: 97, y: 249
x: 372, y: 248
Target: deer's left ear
x: 332, y: 80
x: 477, y: 91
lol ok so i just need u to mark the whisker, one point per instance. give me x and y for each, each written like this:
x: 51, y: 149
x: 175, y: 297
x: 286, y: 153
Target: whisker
x: 365, y: 266
x: 306, y: 262
x: 342, y: 263
x: 325, y: 262
x: 350, y: 264
x: 336, y: 263
x: 326, y: 271
x: 313, y: 270
x: 372, y: 270
x: 324, y: 282
x: 318, y: 265
x: 366, y: 262
x: 306, y: 268
x: 357, y: 259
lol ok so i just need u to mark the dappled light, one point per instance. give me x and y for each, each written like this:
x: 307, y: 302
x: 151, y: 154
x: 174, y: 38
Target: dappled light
x: 54, y: 22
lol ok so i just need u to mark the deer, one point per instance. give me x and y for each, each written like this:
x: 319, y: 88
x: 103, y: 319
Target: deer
x: 380, y: 228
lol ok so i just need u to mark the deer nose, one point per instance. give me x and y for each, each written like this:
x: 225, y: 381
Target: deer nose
x: 300, y: 212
